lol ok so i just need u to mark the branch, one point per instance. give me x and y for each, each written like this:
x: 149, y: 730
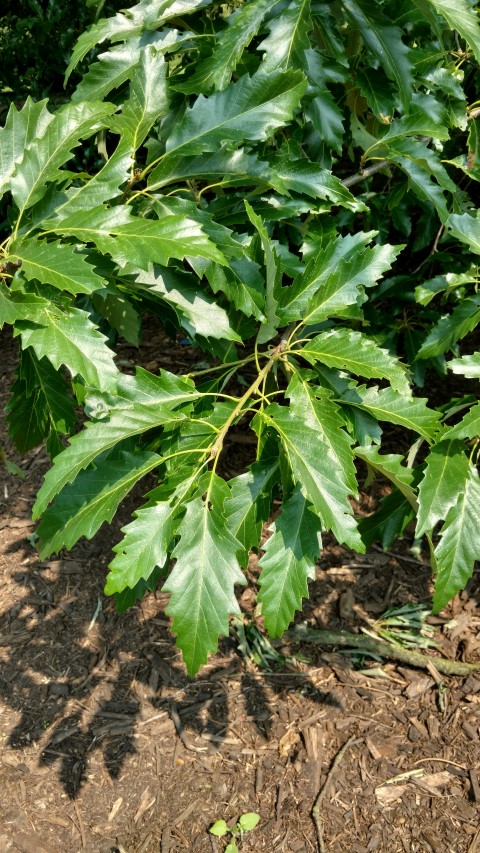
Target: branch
x: 379, y: 647
x: 366, y: 173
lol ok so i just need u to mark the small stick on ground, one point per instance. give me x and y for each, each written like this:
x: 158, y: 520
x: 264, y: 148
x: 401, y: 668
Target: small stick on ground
x: 323, y: 790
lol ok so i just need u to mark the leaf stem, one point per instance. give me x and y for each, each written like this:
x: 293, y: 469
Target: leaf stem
x: 275, y: 355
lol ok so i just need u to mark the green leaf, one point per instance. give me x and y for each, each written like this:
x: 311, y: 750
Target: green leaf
x: 462, y: 17
x: 358, y: 354
x: 146, y: 15
x: 17, y: 305
x: 447, y: 468
x: 306, y: 178
x: 334, y: 279
x: 249, y: 503
x: 385, y: 404
x: 459, y: 544
x: 219, y: 828
x: 20, y: 129
x: 148, y: 98
x: 390, y: 466
x: 40, y: 405
x: 216, y: 70
x: 57, y: 264
x: 198, y: 312
x: 111, y: 304
x: 250, y: 109
x: 133, y: 240
x: 110, y: 71
x: 316, y: 408
x: 451, y: 328
x: 467, y: 365
x: 201, y: 584
x: 139, y: 403
x: 144, y: 546
x: 385, y: 42
x: 469, y: 426
x: 249, y: 821
x: 388, y: 522
x: 70, y: 338
x: 288, y: 40
x: 103, y: 186
x: 317, y: 473
x: 83, y: 506
x: 465, y: 228
x: 43, y: 157
x: 288, y: 561
x: 269, y: 328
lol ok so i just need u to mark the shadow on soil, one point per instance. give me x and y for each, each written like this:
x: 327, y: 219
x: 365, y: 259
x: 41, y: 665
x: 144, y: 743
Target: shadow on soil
x: 54, y: 679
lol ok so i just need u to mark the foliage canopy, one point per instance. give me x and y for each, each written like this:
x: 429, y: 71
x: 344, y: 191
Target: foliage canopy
x: 291, y: 185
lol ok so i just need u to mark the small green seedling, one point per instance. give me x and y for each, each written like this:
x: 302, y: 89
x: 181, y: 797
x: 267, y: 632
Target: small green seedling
x: 245, y: 823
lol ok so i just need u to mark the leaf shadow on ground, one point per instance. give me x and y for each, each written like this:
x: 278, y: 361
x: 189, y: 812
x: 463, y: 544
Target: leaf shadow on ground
x: 78, y: 688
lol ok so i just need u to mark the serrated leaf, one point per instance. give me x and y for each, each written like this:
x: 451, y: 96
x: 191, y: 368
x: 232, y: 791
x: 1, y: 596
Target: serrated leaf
x: 103, y: 186
x: 288, y: 562
x: 83, y: 506
x: 316, y: 473
x: 425, y: 292
x: 133, y: 240
x: 249, y: 503
x: 148, y: 98
x: 353, y: 351
x: 447, y: 468
x: 465, y: 228
x: 390, y: 465
x: 385, y: 42
x: 111, y: 304
x: 146, y: 15
x: 459, y: 544
x: 201, y: 584
x: 307, y: 178
x: 451, y: 328
x: 216, y: 70
x: 110, y: 71
x: 462, y: 17
x: 20, y: 129
x: 44, y: 157
x: 288, y: 40
x: 469, y: 426
x: 467, y: 365
x: 39, y: 404
x: 57, y: 264
x: 138, y: 404
x: 250, y: 109
x: 17, y: 305
x: 269, y: 327
x: 332, y: 279
x: 386, y: 404
x: 70, y: 338
x: 144, y: 546
x: 316, y: 408
x: 198, y: 312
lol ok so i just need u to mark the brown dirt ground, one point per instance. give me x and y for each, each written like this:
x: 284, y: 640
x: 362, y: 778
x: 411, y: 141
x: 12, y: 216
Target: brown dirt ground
x: 107, y: 747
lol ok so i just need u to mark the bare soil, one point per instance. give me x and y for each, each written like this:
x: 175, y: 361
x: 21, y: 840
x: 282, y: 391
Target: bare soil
x: 106, y: 746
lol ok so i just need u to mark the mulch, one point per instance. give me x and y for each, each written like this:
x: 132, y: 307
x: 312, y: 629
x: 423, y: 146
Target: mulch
x: 106, y: 746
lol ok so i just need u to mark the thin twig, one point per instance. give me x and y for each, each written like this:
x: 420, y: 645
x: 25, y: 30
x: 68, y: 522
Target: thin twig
x: 366, y: 173
x: 323, y: 790
x: 301, y: 634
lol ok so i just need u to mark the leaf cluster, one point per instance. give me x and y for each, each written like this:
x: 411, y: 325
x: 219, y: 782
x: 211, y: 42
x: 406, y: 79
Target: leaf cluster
x: 283, y: 185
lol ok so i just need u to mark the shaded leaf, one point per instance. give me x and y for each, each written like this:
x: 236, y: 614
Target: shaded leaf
x: 446, y: 470
x: 288, y: 561
x: 57, y: 264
